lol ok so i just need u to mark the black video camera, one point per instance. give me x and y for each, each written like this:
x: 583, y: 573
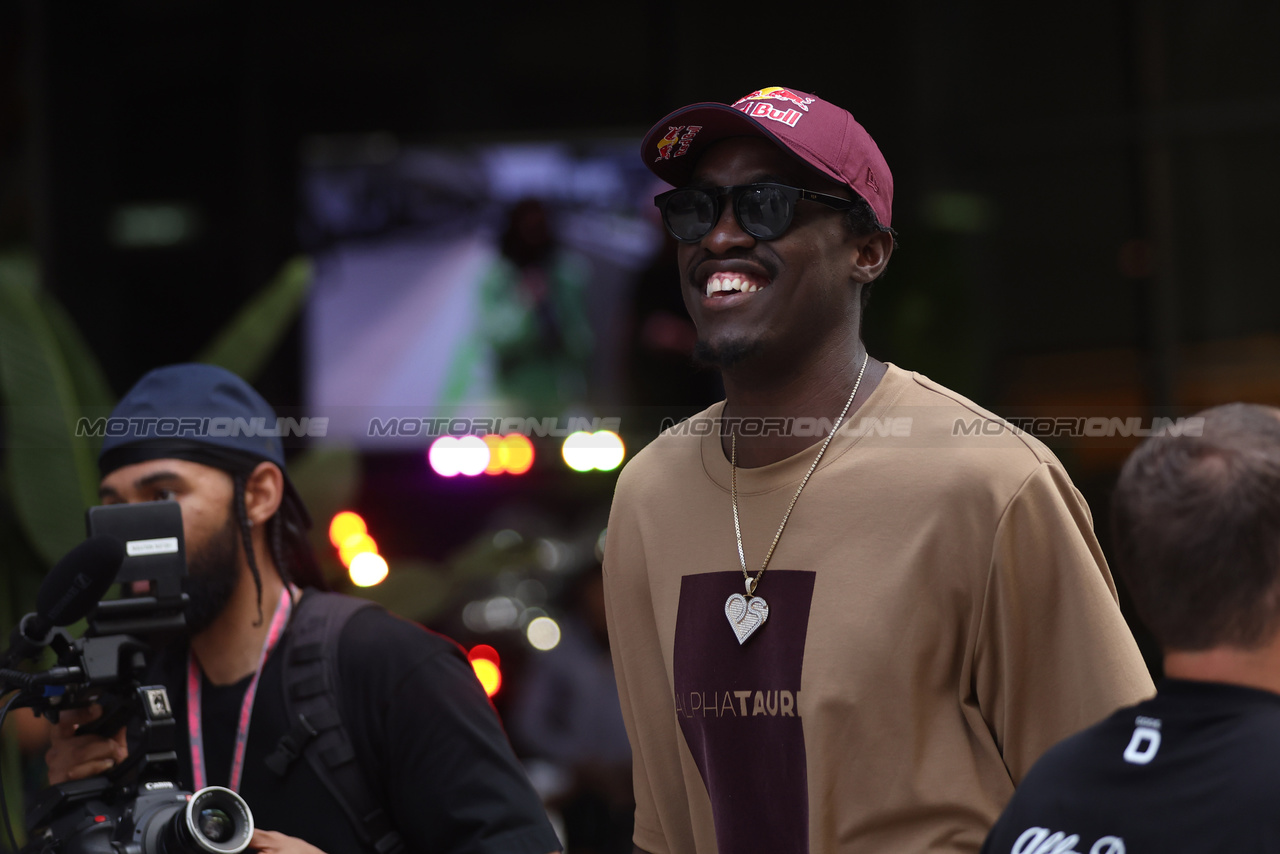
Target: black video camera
x: 137, y: 807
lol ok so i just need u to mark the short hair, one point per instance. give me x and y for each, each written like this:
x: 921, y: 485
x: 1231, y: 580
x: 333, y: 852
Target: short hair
x: 1196, y: 523
x: 861, y: 220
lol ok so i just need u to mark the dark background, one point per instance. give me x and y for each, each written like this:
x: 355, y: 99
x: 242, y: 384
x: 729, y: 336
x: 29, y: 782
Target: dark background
x: 1085, y: 192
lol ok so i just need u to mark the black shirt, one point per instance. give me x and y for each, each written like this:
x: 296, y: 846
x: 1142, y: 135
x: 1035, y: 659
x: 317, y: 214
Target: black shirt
x: 1197, y: 768
x: 425, y: 734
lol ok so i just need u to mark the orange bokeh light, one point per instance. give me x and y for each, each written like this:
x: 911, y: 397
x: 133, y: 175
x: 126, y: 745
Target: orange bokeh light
x: 497, y: 453
x: 354, y: 545
x: 344, y: 526
x: 512, y: 453
x: 518, y: 451
x: 489, y: 675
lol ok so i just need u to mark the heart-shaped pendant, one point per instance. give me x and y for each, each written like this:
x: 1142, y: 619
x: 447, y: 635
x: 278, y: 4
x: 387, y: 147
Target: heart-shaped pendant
x: 745, y: 615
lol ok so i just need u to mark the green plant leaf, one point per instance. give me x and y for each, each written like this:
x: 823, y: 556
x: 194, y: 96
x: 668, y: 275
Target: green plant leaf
x: 92, y: 391
x: 51, y: 475
x: 87, y: 378
x: 247, y: 342
x: 12, y: 778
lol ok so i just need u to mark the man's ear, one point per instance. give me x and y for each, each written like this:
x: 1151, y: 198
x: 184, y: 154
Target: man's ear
x: 263, y: 492
x: 871, y: 256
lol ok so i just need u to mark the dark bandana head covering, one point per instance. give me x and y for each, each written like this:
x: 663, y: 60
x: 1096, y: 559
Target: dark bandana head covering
x: 200, y: 413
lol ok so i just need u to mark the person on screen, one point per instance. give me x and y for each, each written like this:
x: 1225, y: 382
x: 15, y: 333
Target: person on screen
x: 533, y: 337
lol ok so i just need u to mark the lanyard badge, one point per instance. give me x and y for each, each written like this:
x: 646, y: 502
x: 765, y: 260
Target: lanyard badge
x: 196, y: 734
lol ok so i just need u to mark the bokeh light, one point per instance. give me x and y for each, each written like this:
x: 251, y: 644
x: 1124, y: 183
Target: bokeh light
x: 543, y: 633
x: 354, y: 545
x: 484, y: 661
x: 450, y: 456
x: 509, y: 454
x: 344, y: 526
x: 602, y: 450
x: 489, y: 675
x: 367, y: 569
x: 519, y: 453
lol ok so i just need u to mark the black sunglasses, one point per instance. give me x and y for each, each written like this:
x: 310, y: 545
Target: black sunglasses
x: 763, y: 210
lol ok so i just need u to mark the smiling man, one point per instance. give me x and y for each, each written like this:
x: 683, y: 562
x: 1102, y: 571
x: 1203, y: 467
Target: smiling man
x: 849, y: 608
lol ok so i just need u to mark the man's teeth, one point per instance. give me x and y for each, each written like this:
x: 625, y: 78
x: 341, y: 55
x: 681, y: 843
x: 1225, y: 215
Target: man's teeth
x: 721, y: 282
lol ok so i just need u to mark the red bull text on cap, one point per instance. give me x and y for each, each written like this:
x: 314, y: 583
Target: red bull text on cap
x: 824, y: 136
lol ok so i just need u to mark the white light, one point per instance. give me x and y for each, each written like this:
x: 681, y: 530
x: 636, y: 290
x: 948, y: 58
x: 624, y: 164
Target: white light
x: 543, y: 633
x: 452, y: 455
x: 500, y: 613
x: 609, y: 450
x: 367, y: 569
x: 577, y: 455
x: 473, y: 617
x: 601, y: 450
x: 473, y: 455
x: 440, y: 455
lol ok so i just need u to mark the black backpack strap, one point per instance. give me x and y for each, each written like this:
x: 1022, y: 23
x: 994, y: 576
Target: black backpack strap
x: 311, y: 692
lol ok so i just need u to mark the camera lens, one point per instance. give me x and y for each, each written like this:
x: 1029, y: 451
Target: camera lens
x: 215, y: 824
x: 215, y: 820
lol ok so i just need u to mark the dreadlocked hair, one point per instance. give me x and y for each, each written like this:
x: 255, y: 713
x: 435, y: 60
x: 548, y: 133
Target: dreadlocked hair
x: 246, y: 536
x: 290, y: 546
x: 286, y: 533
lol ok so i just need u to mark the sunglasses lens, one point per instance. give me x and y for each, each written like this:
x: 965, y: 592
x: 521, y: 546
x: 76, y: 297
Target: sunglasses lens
x: 764, y: 212
x: 689, y: 214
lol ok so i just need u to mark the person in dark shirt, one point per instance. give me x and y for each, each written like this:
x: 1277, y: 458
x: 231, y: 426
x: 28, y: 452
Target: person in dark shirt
x: 422, y: 731
x: 1197, y: 525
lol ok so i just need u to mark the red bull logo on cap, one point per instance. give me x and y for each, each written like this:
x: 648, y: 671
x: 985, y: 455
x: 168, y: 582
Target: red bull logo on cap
x: 778, y: 93
x: 765, y: 111
x: 677, y: 141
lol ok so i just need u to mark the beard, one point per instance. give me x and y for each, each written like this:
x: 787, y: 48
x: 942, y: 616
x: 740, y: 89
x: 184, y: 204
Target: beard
x: 727, y: 355
x: 212, y: 576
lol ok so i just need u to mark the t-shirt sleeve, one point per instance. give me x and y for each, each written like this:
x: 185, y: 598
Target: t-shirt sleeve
x: 1054, y: 654
x: 451, y: 779
x: 637, y: 662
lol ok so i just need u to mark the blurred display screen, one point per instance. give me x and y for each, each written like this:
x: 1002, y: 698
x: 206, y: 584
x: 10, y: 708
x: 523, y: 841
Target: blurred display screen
x: 475, y: 281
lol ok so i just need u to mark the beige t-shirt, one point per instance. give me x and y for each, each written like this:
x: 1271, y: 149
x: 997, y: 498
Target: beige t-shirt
x: 940, y: 613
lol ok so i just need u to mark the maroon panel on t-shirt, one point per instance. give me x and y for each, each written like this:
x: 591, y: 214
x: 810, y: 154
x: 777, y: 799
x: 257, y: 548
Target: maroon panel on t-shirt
x: 738, y: 708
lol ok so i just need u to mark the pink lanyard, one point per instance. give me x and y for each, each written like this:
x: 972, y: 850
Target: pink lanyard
x: 196, y: 734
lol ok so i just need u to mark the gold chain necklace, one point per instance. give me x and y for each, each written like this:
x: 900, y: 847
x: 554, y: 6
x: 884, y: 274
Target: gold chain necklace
x: 748, y: 613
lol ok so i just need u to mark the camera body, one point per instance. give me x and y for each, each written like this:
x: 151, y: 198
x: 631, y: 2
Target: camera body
x: 161, y: 818
x: 137, y: 807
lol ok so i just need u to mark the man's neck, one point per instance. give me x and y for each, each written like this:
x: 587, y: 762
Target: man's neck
x: 229, y: 649
x: 1251, y: 668
x: 820, y: 392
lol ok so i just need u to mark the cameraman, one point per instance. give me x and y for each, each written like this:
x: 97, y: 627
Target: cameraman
x: 425, y: 737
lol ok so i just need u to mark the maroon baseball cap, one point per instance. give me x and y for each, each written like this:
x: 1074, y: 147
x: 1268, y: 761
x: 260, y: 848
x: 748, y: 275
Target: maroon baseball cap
x: 819, y: 133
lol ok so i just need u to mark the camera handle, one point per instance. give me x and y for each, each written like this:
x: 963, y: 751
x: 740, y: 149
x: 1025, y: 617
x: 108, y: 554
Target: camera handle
x: 157, y: 761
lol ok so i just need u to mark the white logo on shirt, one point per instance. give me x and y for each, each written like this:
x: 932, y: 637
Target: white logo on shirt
x: 1145, y: 741
x: 1038, y: 840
